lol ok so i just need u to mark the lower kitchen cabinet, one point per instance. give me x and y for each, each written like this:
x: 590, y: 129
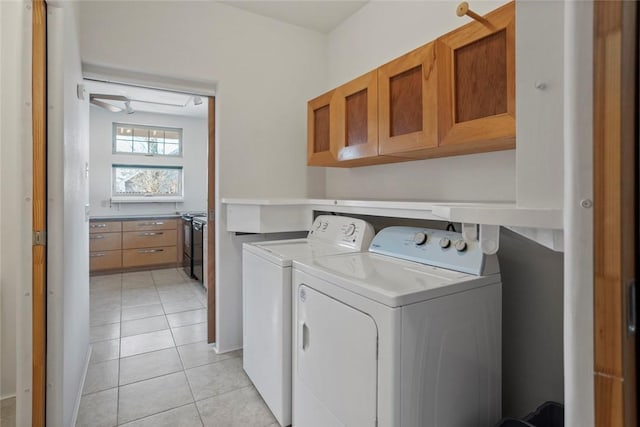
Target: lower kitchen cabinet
x: 105, y: 260
x: 143, y: 257
x: 117, y: 245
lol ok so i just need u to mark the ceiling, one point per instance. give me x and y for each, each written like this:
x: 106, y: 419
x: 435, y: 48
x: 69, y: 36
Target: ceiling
x: 318, y: 15
x: 150, y: 100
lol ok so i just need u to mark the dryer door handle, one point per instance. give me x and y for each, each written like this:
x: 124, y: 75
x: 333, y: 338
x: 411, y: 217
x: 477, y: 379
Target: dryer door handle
x: 303, y: 336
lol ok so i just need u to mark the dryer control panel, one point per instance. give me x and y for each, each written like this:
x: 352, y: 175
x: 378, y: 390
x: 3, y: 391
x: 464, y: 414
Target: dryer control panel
x: 342, y: 230
x: 439, y: 248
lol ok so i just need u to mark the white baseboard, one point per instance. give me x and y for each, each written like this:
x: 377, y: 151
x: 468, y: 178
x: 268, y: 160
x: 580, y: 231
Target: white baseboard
x: 226, y: 350
x: 76, y: 407
x: 7, y: 396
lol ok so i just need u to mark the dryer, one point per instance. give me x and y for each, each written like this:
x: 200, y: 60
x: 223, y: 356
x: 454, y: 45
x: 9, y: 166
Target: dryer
x: 266, y: 294
x: 407, y: 334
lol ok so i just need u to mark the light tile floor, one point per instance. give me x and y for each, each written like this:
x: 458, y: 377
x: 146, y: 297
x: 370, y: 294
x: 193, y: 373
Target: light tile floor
x: 150, y: 362
x: 8, y: 412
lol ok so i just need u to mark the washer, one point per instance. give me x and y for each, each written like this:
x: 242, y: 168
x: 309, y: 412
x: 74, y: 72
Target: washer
x: 407, y: 334
x: 266, y: 293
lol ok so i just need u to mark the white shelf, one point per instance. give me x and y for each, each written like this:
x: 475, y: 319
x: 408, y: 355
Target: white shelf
x: 504, y: 214
x: 272, y: 215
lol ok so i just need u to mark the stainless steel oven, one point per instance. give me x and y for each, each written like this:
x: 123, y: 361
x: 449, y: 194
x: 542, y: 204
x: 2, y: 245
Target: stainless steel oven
x: 198, y: 230
x: 187, y: 249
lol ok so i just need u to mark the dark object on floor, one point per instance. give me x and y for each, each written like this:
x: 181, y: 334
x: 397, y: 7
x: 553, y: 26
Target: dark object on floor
x: 549, y: 414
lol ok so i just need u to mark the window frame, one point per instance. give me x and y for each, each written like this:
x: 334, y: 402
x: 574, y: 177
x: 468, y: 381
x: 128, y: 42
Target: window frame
x: 114, y: 134
x: 136, y: 198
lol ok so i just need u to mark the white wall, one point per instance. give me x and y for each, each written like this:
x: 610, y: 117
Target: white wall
x: 68, y: 231
x: 377, y: 33
x: 15, y: 205
x: 265, y: 71
x: 193, y: 160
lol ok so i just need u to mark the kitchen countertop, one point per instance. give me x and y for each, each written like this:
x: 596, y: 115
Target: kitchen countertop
x: 133, y: 217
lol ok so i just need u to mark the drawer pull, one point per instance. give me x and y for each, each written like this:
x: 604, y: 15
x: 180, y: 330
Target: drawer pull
x: 153, y: 233
x: 98, y: 226
x: 149, y: 251
x: 96, y: 236
x: 146, y: 224
x: 97, y: 254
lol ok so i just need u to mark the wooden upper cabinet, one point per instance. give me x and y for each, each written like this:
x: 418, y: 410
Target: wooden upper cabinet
x: 356, y: 106
x: 476, y: 84
x: 321, y: 117
x: 407, y: 120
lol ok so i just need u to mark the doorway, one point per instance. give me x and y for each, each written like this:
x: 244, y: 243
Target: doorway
x: 159, y: 134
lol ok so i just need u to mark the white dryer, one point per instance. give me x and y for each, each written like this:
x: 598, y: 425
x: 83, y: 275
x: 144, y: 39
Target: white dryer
x: 407, y: 334
x: 266, y: 294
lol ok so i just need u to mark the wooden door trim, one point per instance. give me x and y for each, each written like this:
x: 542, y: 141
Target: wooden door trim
x: 615, y: 228
x: 39, y: 210
x: 211, y: 226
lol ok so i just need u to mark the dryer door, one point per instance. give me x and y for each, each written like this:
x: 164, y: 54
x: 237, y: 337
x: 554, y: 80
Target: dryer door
x: 336, y: 362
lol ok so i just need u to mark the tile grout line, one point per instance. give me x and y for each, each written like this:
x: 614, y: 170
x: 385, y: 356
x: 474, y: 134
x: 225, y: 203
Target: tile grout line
x: 119, y: 354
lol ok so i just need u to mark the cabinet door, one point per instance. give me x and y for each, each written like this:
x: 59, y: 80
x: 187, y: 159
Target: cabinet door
x: 321, y: 116
x: 407, y: 104
x: 356, y: 105
x: 476, y: 87
x: 105, y: 260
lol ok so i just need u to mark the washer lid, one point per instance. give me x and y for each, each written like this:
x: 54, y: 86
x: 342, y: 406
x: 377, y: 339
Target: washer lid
x: 282, y: 252
x: 390, y: 281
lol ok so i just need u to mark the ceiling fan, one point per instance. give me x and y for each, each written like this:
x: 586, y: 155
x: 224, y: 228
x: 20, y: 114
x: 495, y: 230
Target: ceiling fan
x: 98, y: 99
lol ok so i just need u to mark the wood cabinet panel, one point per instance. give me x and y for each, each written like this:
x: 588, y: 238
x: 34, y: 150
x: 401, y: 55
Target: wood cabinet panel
x: 481, y: 80
x: 105, y: 260
x: 356, y: 123
x: 149, y: 239
x: 150, y: 225
x: 476, y: 84
x: 105, y: 241
x: 105, y: 226
x: 407, y: 119
x: 320, y: 131
x: 149, y: 256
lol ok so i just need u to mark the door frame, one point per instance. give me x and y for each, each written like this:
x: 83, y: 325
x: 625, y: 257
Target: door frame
x: 39, y: 211
x: 211, y: 218
x: 615, y: 211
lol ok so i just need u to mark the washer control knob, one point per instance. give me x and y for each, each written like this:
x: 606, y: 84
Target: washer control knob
x: 324, y: 225
x: 420, y: 238
x: 445, y: 243
x: 318, y: 225
x: 351, y: 228
x: 461, y: 245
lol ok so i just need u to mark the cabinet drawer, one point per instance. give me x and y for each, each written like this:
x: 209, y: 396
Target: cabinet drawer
x: 105, y: 227
x: 149, y: 239
x: 150, y: 256
x: 105, y: 260
x: 150, y: 225
x: 105, y: 241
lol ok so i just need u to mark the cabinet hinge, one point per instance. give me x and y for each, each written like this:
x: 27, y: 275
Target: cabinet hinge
x: 39, y: 238
x: 631, y: 308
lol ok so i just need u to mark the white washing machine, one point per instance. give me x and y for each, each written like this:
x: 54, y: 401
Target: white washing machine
x: 266, y: 293
x: 407, y: 334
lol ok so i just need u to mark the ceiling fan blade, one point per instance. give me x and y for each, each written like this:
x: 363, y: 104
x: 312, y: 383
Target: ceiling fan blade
x: 109, y: 97
x: 105, y: 105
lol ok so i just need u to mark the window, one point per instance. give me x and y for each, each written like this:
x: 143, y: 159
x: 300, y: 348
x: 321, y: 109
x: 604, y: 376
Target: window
x: 147, y: 140
x: 159, y: 182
